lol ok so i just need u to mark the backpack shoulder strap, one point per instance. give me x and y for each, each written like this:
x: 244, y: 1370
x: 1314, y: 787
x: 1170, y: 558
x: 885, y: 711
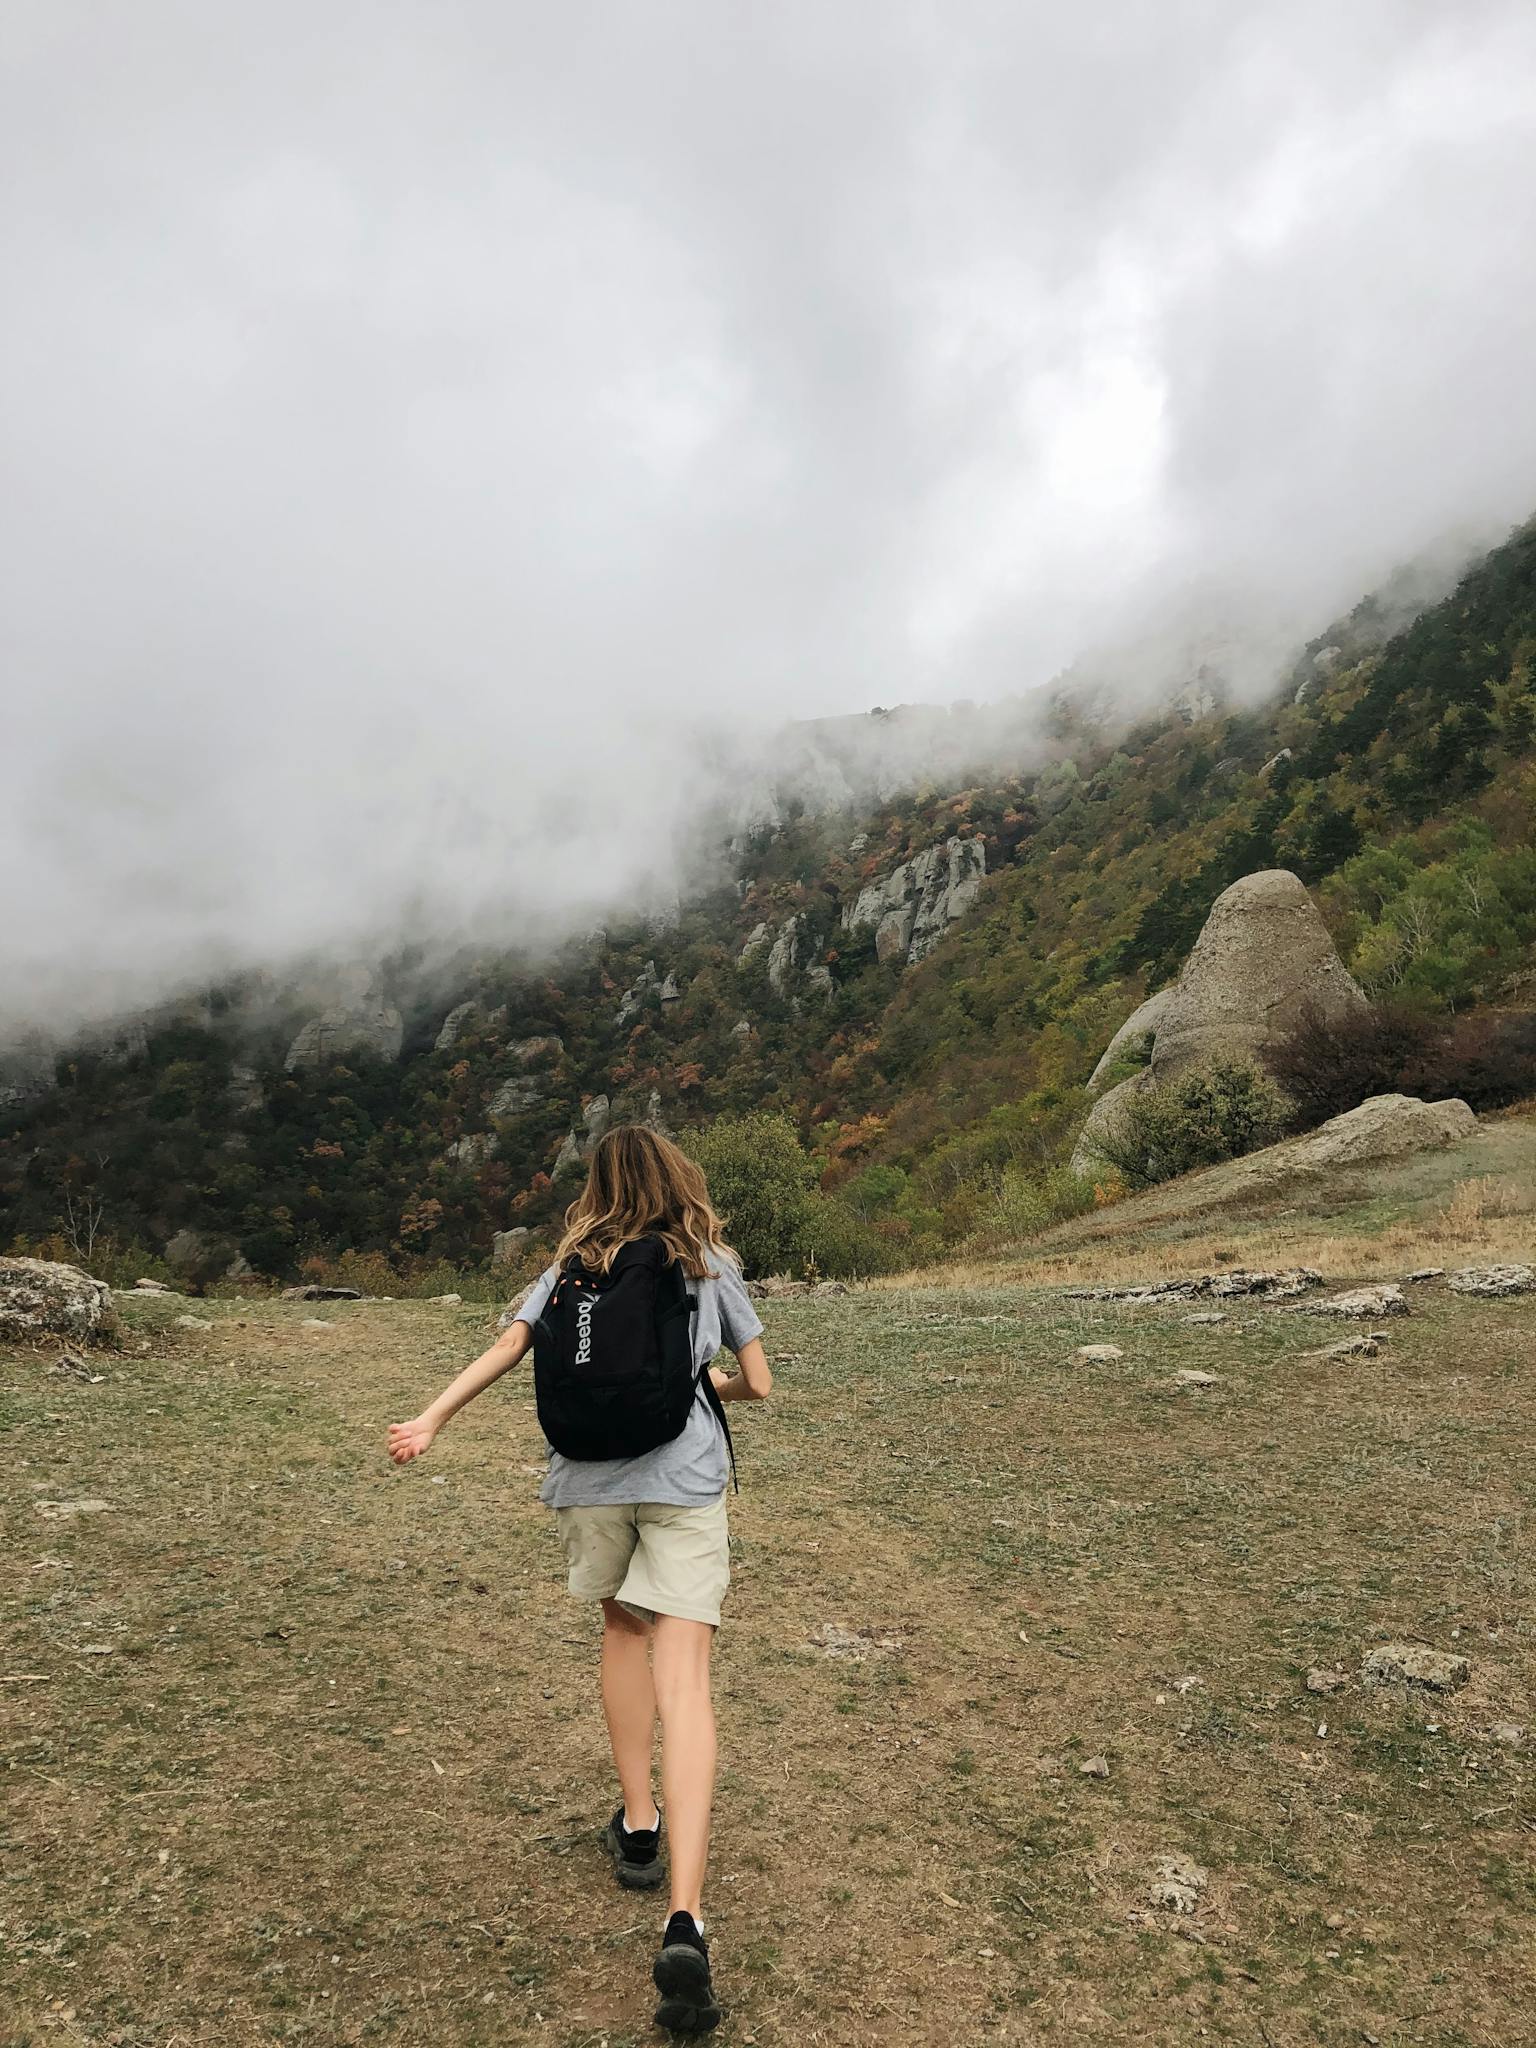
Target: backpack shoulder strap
x: 712, y: 1396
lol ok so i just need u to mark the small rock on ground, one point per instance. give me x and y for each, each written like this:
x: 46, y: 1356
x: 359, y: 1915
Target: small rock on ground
x: 1415, y: 1664
x: 59, y: 1510
x: 1494, y: 1280
x: 1208, y: 1317
x: 1095, y: 1767
x: 313, y: 1293
x: 447, y: 1300
x: 1358, y: 1303
x: 1321, y: 1680
x: 853, y: 1645
x: 194, y: 1323
x: 1365, y: 1346
x: 1099, y: 1354
x: 1177, y: 1882
x: 1188, y: 1377
x: 1508, y: 1734
x: 1426, y: 1273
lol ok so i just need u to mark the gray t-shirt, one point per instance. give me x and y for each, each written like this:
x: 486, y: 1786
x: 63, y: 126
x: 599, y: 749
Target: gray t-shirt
x: 690, y: 1471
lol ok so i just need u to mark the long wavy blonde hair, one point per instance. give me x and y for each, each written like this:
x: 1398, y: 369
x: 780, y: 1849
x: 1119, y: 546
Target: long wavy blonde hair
x: 642, y: 1185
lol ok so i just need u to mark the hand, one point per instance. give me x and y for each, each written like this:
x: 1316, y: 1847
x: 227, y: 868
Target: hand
x: 408, y: 1440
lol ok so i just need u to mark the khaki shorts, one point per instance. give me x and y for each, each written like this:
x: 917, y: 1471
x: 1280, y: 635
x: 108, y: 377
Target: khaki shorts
x: 652, y: 1558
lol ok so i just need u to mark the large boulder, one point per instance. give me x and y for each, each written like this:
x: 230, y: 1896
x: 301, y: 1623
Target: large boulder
x: 1142, y: 1023
x: 912, y: 907
x: 1103, y: 1120
x: 1263, y: 956
x: 1383, y: 1127
x: 43, y: 1298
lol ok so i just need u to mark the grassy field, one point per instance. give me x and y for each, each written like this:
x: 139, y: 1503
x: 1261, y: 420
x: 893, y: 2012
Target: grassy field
x: 301, y: 1748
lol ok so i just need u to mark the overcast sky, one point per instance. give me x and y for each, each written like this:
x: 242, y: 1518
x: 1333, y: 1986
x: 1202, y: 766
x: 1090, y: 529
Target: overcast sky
x: 417, y: 420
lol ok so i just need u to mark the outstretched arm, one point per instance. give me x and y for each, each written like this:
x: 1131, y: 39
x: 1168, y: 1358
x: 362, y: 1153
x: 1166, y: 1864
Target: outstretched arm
x: 408, y: 1440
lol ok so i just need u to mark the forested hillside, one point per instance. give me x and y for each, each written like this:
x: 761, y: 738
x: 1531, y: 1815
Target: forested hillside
x: 921, y: 990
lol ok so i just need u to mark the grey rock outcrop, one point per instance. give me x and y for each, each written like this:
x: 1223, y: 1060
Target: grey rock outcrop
x: 452, y: 1025
x: 525, y: 1091
x: 507, y: 1245
x: 753, y: 943
x: 792, y: 965
x: 472, y: 1150
x: 577, y: 1147
x: 245, y: 1093
x: 645, y: 983
x: 522, y: 1092
x: 669, y: 992
x: 45, y: 1298
x: 358, y: 1021
x: 911, y: 908
x: 26, y: 1070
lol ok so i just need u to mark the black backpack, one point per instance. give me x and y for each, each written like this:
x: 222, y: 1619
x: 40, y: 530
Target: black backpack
x: 613, y: 1357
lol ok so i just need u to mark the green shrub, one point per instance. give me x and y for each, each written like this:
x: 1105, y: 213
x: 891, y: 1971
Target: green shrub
x: 1212, y: 1113
x: 761, y: 1181
x: 843, y: 1245
x: 1020, y: 1204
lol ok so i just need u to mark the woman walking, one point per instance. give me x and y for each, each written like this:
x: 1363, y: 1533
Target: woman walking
x: 624, y: 1326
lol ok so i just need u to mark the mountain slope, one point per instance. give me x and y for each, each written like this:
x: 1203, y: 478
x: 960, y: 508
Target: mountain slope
x: 922, y: 1022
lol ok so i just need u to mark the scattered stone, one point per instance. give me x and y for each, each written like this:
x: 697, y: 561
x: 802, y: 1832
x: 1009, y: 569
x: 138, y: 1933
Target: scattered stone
x: 322, y: 1294
x: 1366, y: 1346
x: 69, y: 1365
x: 1189, y: 1377
x: 853, y: 1645
x: 447, y: 1300
x: 773, y: 1286
x: 1281, y: 1285
x: 194, y: 1323
x: 45, y: 1298
x: 1494, y: 1280
x: 1320, y: 1680
x: 151, y: 1287
x: 1508, y: 1734
x: 830, y: 1287
x: 315, y: 1323
x: 1176, y: 1883
x: 1095, y: 1767
x: 1099, y: 1354
x: 1414, y: 1664
x: 1426, y: 1273
x: 1208, y: 1318
x: 63, y: 1510
x: 1357, y: 1303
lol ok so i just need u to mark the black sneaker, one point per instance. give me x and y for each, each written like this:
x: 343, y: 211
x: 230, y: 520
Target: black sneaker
x: 636, y: 1857
x: 681, y: 1972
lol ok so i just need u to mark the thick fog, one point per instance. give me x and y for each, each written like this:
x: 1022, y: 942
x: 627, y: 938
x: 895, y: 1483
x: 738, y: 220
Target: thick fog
x: 436, y: 440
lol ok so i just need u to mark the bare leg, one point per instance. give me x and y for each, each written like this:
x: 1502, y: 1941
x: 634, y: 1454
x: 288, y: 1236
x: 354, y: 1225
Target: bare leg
x: 629, y: 1706
x: 687, y: 1750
